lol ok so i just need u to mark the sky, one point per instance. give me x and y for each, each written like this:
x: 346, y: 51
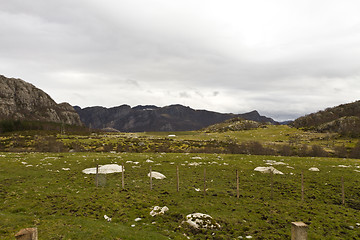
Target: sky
x: 282, y: 58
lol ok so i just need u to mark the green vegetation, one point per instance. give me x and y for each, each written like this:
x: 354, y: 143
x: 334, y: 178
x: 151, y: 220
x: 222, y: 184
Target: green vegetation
x: 49, y: 191
x: 266, y: 140
x: 42, y: 184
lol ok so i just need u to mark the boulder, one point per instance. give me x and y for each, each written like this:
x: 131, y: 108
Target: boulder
x: 268, y: 170
x: 201, y: 221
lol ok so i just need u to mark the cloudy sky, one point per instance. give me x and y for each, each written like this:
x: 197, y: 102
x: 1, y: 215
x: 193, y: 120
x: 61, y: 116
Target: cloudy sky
x: 283, y: 58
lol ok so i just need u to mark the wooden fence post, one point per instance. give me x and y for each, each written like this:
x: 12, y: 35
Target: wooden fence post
x: 302, y: 186
x: 204, y: 181
x: 27, y: 234
x: 298, y: 231
x: 97, y: 175
x: 177, y: 179
x: 343, y: 190
x: 150, y: 179
x: 237, y: 184
x: 123, y: 176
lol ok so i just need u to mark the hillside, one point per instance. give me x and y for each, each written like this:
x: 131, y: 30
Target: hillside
x: 343, y: 119
x: 153, y: 118
x: 22, y: 101
x: 234, y: 124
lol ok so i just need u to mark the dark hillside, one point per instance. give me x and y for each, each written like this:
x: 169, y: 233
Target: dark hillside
x: 152, y: 118
x: 343, y: 119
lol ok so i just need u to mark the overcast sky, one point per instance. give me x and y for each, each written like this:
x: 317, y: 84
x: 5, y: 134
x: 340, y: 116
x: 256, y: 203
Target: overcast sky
x: 283, y: 58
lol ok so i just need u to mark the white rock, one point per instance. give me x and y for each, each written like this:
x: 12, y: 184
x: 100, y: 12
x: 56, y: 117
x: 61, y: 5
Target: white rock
x: 149, y: 161
x: 107, y: 218
x: 314, y: 169
x: 201, y: 220
x: 156, y: 175
x: 104, y: 169
x: 268, y: 170
x: 156, y: 210
x: 137, y: 219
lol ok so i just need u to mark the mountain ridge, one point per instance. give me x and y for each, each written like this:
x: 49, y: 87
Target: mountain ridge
x: 141, y: 118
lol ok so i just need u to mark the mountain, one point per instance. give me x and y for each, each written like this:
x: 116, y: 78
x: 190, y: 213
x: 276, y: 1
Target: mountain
x: 343, y: 119
x: 152, y: 118
x: 20, y: 100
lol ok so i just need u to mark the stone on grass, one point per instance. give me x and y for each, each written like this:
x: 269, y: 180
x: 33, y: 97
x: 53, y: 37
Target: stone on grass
x: 156, y: 175
x: 201, y: 221
x: 107, y: 218
x: 268, y: 170
x: 314, y: 169
x: 104, y: 169
x: 156, y: 210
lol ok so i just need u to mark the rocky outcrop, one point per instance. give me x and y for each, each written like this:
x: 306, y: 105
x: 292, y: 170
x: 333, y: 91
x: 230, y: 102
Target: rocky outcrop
x: 152, y: 118
x: 20, y: 100
x: 234, y: 124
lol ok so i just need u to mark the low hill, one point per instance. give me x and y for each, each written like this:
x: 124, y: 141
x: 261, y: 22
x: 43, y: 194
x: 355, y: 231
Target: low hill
x: 343, y: 119
x: 153, y: 118
x: 22, y: 101
x: 234, y: 124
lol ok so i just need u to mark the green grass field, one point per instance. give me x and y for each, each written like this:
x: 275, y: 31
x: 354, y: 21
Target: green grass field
x: 50, y: 192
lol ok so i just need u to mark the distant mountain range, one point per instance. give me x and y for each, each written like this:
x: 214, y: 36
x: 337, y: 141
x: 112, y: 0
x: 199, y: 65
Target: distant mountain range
x: 152, y: 118
x: 22, y: 101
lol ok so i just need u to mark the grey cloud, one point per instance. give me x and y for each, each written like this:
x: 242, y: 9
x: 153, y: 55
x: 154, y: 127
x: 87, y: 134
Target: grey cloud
x: 184, y: 95
x: 296, y: 67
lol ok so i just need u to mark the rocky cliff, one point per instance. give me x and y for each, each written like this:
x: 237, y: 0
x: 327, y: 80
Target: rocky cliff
x: 152, y: 118
x: 20, y: 100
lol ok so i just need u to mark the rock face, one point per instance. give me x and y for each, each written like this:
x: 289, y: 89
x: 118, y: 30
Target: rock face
x: 152, y: 118
x: 20, y: 100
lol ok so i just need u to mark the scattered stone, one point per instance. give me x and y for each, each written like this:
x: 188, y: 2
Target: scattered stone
x: 157, y: 175
x: 137, y: 219
x: 268, y: 170
x: 149, y: 161
x: 107, y: 218
x: 158, y: 210
x: 314, y: 169
x: 201, y: 221
x: 104, y: 169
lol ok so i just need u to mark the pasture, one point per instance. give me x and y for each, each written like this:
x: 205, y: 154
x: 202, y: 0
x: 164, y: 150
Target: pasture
x: 49, y: 191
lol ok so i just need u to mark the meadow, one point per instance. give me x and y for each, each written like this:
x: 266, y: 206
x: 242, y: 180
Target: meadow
x: 49, y: 191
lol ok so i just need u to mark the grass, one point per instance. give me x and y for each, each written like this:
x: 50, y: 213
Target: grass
x: 36, y: 191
